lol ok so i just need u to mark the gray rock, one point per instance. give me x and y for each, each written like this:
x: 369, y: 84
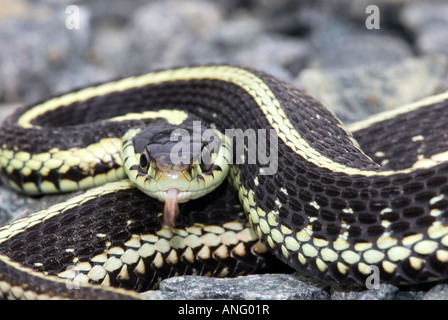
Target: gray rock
x: 111, y: 50
x: 227, y: 35
x: 361, y: 50
x: 282, y: 57
x: 172, y: 33
x: 356, y: 93
x: 383, y: 292
x: 439, y: 292
x: 339, y: 292
x: 35, y: 45
x: 202, y: 36
x: 341, y: 43
x: 77, y: 76
x: 112, y: 12
x: 253, y: 287
x: 429, y: 22
x: 410, y: 295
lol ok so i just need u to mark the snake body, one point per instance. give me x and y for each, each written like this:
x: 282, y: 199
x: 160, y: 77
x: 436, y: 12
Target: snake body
x: 332, y: 209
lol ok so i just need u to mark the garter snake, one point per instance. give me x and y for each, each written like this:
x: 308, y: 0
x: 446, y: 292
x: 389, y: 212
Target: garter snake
x: 338, y: 203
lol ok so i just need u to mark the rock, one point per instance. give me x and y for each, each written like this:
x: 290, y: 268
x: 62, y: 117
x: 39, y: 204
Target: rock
x: 36, y: 45
x: 361, y: 50
x: 202, y: 36
x: 428, y: 21
x: 410, y: 295
x: 282, y: 57
x: 253, y: 287
x: 439, y: 292
x: 356, y: 93
x: 227, y: 35
x: 339, y: 292
x: 172, y: 33
x: 340, y: 43
x: 76, y: 77
x: 112, y: 13
x: 384, y: 292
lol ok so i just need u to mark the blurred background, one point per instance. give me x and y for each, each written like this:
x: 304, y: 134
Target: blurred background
x: 357, y: 61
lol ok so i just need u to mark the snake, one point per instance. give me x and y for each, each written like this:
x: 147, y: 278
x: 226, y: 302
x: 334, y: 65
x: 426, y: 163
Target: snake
x: 332, y: 201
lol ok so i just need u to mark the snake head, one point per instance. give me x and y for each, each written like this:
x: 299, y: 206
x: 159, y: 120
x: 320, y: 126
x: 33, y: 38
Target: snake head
x: 175, y: 164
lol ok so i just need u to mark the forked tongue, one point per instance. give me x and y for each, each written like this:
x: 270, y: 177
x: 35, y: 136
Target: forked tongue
x: 171, y: 209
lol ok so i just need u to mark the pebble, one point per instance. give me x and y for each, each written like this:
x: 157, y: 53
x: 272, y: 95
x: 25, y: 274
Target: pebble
x: 174, y: 32
x: 354, y: 94
x: 342, y: 44
x: 37, y: 50
x: 279, y: 56
x: 252, y: 287
x: 439, y: 292
x: 428, y: 22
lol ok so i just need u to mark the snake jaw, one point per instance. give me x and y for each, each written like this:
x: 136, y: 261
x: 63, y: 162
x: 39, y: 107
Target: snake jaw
x: 171, y: 209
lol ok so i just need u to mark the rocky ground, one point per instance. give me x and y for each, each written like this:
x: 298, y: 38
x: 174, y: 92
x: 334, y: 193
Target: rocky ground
x: 323, y: 47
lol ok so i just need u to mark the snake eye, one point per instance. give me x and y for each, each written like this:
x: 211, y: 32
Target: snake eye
x: 144, y: 162
x: 206, y: 167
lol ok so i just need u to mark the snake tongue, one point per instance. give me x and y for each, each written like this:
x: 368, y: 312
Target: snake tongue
x: 171, y: 209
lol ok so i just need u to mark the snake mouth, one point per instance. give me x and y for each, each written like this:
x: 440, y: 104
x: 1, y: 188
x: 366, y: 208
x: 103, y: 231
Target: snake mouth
x: 171, y: 209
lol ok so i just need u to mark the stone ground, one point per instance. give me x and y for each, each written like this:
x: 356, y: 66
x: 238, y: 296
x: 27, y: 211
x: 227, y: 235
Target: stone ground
x: 323, y: 47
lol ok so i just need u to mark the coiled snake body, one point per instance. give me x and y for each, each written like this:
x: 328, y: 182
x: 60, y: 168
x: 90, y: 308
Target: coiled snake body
x: 330, y: 209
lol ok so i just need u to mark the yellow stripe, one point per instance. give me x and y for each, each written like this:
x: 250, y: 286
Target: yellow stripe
x: 174, y: 117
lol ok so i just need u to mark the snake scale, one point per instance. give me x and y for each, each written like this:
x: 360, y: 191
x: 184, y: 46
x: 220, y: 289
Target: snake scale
x: 342, y: 199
